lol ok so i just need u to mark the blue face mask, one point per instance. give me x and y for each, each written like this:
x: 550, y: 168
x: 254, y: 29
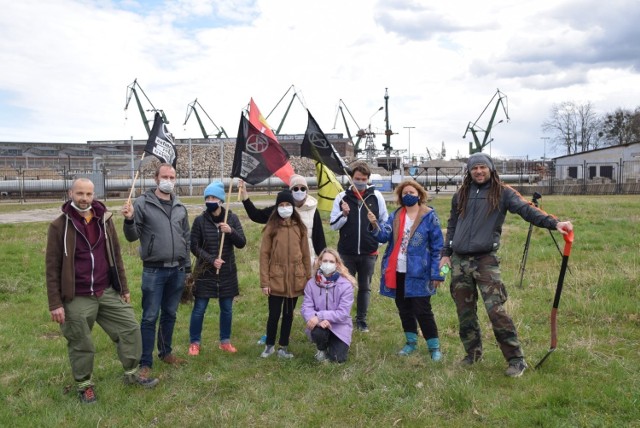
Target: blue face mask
x: 410, y: 200
x: 360, y: 185
x: 212, y: 206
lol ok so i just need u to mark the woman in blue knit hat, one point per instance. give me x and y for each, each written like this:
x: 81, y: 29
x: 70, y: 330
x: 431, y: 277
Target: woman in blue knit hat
x: 215, y: 277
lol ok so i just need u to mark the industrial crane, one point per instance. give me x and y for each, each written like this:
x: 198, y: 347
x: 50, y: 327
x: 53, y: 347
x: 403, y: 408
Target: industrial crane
x: 131, y: 91
x: 475, y: 129
x: 191, y: 108
x: 361, y: 132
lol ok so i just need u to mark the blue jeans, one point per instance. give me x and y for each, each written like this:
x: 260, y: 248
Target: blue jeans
x: 197, y: 319
x: 161, y: 292
x: 362, y: 267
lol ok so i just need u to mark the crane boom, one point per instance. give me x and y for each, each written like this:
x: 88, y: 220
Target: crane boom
x: 192, y: 108
x: 131, y: 92
x: 475, y: 129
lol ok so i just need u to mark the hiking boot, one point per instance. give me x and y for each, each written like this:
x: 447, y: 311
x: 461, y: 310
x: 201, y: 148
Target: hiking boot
x: 283, y: 353
x: 517, y: 366
x: 321, y: 356
x: 194, y: 349
x: 262, y: 340
x: 173, y: 360
x: 144, y: 371
x: 141, y: 378
x: 228, y: 347
x: 362, y: 326
x: 471, y: 359
x: 87, y: 395
x: 268, y: 351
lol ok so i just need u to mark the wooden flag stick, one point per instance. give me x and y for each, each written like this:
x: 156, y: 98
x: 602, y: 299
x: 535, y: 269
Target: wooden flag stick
x: 226, y: 214
x: 133, y: 185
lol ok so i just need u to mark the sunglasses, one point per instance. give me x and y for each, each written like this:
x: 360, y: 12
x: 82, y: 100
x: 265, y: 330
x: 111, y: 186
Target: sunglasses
x: 299, y: 189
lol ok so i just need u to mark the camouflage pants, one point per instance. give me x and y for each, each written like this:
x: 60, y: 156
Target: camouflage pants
x: 482, y: 272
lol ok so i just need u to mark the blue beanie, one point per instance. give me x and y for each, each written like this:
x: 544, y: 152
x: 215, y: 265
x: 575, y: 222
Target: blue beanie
x: 216, y: 189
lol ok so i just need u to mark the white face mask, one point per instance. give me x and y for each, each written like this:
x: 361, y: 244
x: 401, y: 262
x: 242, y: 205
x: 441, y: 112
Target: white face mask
x: 73, y: 204
x: 299, y: 196
x: 328, y: 268
x: 285, y: 212
x: 166, y: 186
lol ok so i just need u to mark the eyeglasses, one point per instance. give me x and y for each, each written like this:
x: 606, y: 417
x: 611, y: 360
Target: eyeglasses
x: 299, y: 189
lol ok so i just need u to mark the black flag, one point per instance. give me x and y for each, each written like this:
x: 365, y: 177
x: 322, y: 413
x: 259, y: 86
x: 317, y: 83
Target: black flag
x: 160, y: 143
x: 257, y: 156
x: 316, y: 146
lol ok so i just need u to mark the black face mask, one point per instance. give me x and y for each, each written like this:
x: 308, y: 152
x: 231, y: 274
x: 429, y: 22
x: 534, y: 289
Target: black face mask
x: 212, y: 206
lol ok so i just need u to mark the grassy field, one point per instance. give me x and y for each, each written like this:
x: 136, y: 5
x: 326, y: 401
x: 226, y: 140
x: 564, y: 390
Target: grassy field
x: 591, y: 380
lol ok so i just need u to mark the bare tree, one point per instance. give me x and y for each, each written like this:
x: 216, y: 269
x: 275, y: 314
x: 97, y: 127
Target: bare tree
x: 573, y: 127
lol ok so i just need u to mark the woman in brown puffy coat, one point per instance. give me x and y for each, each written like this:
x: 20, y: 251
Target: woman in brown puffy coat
x: 284, y: 270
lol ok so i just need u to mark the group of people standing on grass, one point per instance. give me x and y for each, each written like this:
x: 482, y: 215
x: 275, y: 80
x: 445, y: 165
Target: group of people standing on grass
x: 86, y: 282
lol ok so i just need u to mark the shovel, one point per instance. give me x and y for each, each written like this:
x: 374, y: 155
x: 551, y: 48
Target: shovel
x: 568, y: 240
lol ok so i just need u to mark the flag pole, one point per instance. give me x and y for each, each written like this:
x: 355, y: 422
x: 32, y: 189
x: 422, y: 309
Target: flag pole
x: 226, y: 214
x: 133, y: 185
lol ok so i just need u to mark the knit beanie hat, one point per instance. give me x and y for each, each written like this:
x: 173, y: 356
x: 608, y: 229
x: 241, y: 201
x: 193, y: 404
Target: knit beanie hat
x: 298, y: 180
x: 284, y: 196
x: 479, y: 158
x: 216, y: 189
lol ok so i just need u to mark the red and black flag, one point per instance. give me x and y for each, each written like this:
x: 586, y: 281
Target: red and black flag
x: 160, y: 143
x: 257, y: 156
x: 316, y: 146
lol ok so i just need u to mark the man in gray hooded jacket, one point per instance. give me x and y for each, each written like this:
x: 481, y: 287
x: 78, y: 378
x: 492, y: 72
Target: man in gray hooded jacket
x: 161, y: 222
x: 478, y: 211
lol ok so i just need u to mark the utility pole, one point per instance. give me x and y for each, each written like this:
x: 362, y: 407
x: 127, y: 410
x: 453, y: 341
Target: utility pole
x: 409, y: 128
x: 544, y: 149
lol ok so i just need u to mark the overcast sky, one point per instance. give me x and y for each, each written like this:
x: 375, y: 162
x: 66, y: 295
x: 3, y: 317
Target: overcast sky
x: 66, y: 65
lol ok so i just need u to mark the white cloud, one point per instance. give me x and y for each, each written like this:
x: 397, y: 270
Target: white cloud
x: 67, y: 64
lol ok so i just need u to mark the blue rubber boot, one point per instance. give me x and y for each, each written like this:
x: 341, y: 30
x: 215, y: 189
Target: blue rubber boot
x: 410, y: 346
x: 434, y: 348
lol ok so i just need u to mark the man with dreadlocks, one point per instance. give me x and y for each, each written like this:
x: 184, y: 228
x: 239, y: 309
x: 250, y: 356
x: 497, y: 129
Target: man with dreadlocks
x: 478, y: 211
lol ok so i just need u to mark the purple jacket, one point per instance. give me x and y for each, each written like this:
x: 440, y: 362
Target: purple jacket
x: 332, y: 304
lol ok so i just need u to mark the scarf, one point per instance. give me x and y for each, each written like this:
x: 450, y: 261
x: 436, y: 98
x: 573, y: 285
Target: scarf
x: 326, y: 282
x: 390, y: 272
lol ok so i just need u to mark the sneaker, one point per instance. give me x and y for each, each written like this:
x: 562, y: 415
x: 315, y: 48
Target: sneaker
x: 362, y: 326
x: 321, y: 356
x: 141, y: 378
x: 173, y: 360
x: 283, y: 353
x: 407, y: 349
x: 87, y: 395
x: 516, y: 367
x: 262, y: 340
x: 194, y: 349
x: 268, y: 351
x: 228, y: 347
x: 470, y: 359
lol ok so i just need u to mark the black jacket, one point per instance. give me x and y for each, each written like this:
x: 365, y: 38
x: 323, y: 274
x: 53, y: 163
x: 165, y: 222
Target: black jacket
x: 205, y: 245
x: 478, y: 232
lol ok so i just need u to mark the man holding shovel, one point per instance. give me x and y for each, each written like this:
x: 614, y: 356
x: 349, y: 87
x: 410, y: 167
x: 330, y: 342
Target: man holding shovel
x: 478, y: 211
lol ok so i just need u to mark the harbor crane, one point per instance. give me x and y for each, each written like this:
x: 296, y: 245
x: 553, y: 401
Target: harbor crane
x: 132, y: 92
x: 477, y: 146
x: 191, y: 108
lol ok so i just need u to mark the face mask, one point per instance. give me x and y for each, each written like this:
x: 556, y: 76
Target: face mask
x: 166, y: 186
x: 328, y: 268
x: 299, y: 196
x: 212, y: 206
x: 360, y: 185
x: 285, y: 212
x: 73, y: 204
x: 410, y: 200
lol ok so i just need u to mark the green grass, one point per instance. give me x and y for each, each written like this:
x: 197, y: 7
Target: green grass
x: 592, y: 379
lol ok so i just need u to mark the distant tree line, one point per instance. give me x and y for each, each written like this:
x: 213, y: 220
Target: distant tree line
x: 575, y: 127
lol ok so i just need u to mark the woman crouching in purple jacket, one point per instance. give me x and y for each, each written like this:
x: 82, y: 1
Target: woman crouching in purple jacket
x: 326, y: 307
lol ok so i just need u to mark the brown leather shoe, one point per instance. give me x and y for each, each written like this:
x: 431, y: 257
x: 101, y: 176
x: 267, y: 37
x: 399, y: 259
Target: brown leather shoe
x: 144, y: 372
x: 173, y: 360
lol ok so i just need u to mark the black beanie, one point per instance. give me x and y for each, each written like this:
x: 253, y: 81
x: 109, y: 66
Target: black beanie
x: 284, y: 196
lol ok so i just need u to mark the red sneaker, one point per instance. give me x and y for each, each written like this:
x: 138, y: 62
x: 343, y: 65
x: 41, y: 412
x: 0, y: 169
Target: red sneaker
x: 194, y: 349
x: 228, y: 348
